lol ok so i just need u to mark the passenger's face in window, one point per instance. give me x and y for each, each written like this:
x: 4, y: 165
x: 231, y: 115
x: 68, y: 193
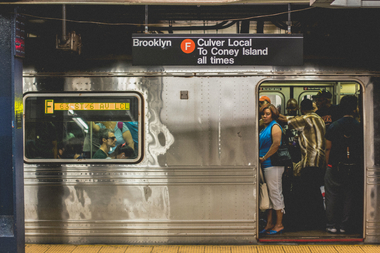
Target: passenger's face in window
x: 292, y: 111
x: 111, y: 140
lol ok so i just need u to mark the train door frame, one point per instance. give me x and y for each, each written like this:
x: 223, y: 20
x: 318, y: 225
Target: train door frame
x: 291, y: 80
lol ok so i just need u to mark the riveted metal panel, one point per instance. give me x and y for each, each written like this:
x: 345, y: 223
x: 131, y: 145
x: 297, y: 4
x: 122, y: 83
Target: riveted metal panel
x: 196, y: 183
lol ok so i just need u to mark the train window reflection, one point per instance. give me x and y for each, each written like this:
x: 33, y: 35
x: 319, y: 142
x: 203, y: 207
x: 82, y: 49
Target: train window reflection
x: 103, y: 128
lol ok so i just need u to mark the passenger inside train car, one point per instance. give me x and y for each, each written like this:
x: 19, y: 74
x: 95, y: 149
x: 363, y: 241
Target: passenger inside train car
x: 64, y: 127
x: 41, y: 140
x: 71, y: 148
x: 121, y: 131
x: 299, y: 220
x: 309, y: 169
x: 270, y: 141
x: 133, y: 127
x: 344, y: 147
x: 108, y: 140
x: 264, y: 100
x: 123, y: 151
x: 328, y: 112
x: 292, y: 134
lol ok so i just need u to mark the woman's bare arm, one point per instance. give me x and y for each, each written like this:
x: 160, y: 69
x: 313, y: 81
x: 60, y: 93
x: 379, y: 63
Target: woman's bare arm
x: 127, y: 136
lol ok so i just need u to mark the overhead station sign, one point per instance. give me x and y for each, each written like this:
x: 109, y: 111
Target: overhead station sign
x: 214, y: 49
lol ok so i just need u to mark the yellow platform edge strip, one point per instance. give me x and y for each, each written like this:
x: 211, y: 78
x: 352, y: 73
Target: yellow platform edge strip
x: 50, y: 248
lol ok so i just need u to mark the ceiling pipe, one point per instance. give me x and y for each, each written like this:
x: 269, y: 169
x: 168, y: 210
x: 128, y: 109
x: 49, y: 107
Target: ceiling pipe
x: 64, y: 37
x: 289, y: 19
x: 146, y: 18
x: 221, y: 25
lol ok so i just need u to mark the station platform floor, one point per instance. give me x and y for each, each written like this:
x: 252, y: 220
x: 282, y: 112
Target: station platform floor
x: 63, y: 248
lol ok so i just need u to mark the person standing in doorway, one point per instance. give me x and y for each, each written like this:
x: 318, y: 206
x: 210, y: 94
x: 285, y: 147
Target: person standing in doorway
x: 270, y: 141
x: 309, y: 170
x: 344, y: 145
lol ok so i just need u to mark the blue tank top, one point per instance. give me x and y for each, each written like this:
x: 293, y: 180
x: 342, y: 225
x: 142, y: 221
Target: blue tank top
x: 265, y: 140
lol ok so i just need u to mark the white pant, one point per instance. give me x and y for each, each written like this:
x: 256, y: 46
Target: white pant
x: 273, y: 178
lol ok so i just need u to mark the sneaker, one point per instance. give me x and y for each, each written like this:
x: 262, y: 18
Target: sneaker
x: 342, y: 231
x: 332, y: 230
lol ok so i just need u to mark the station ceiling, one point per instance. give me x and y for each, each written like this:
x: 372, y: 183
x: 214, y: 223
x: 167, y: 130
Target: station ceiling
x: 315, y: 3
x: 106, y: 29
x: 155, y: 2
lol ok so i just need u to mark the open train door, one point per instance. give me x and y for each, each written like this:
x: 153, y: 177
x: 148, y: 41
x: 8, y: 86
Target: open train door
x: 294, y: 229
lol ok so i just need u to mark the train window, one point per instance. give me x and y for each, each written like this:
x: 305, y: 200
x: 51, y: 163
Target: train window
x: 78, y: 127
x: 277, y: 99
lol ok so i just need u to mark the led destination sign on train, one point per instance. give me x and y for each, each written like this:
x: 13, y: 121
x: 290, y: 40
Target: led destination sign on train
x: 50, y: 106
x: 217, y: 49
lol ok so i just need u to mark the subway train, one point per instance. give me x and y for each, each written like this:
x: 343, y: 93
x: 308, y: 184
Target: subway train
x: 193, y: 177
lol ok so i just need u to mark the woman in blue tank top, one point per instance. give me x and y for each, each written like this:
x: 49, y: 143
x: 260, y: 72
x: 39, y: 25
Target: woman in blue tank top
x: 270, y: 141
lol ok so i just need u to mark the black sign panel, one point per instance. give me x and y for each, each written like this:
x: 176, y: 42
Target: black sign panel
x: 214, y: 49
x: 20, y: 36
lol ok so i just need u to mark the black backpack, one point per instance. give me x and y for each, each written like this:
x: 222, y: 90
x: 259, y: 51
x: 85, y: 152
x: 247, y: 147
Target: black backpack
x: 349, y: 154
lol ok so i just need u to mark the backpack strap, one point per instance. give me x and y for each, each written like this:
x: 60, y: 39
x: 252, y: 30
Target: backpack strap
x: 120, y: 125
x: 348, y: 147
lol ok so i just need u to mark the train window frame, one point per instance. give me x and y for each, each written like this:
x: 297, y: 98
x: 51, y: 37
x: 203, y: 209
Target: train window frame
x: 87, y: 96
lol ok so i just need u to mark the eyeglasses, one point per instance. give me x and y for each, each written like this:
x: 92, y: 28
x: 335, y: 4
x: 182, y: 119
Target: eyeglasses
x: 112, y: 138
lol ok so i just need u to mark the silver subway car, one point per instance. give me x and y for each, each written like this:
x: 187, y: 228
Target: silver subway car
x: 193, y: 174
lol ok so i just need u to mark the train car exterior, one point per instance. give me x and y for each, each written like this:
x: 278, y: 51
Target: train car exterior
x: 197, y: 179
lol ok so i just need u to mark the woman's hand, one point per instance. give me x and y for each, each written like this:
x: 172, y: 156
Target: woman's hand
x: 261, y: 159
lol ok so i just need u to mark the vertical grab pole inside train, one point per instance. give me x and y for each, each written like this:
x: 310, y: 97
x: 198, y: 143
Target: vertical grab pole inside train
x: 90, y: 140
x: 146, y: 18
x: 289, y: 19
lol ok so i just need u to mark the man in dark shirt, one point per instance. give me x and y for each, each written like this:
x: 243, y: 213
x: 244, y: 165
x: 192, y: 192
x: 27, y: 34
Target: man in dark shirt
x: 107, y: 139
x: 328, y: 112
x: 344, y: 151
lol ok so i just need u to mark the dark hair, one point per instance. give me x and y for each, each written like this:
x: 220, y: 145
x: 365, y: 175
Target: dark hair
x: 103, y: 133
x: 348, y: 104
x: 306, y: 105
x: 272, y: 108
x: 127, y: 150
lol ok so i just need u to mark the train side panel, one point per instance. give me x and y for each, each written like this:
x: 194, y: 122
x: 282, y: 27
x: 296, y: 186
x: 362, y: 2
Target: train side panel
x: 196, y: 183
